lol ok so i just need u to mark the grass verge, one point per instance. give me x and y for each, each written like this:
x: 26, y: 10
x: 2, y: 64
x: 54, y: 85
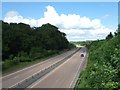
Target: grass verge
x: 27, y: 64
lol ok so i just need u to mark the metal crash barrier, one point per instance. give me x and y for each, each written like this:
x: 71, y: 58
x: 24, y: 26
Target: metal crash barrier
x: 27, y: 82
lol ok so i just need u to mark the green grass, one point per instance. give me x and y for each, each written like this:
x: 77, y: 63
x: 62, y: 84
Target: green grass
x: 23, y: 65
x: 26, y: 64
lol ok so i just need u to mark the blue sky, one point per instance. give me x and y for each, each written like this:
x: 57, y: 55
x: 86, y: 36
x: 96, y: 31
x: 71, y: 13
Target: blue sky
x: 89, y: 9
x: 106, y: 12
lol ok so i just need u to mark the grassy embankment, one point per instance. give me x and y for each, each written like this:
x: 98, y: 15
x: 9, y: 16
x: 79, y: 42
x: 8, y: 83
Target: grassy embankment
x: 12, y: 67
x: 103, y: 69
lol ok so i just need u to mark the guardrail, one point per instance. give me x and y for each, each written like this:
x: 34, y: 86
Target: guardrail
x: 26, y: 82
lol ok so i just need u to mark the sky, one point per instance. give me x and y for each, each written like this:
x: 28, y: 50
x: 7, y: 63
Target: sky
x: 79, y: 20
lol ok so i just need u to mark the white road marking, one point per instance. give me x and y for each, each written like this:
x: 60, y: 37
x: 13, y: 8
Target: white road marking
x: 23, y: 80
x: 33, y: 74
x: 25, y: 68
x: 50, y: 73
x: 30, y: 66
x: 76, y: 74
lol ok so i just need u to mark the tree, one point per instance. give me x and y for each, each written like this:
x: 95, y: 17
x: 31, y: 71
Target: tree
x: 109, y: 36
x: 22, y: 38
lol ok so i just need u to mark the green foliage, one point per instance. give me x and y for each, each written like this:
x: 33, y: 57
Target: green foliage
x: 103, y: 70
x: 71, y: 45
x: 118, y: 31
x: 82, y: 43
x: 52, y: 38
x: 20, y: 37
x: 6, y: 64
x: 21, y: 43
x: 109, y: 36
x: 37, y: 53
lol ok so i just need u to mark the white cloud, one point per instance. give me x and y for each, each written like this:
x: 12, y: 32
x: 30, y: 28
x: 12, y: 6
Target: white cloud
x: 91, y: 34
x: 15, y: 17
x: 12, y: 14
x: 76, y: 27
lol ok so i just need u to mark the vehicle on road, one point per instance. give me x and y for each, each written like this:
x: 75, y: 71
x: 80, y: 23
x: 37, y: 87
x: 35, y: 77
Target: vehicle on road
x: 82, y: 55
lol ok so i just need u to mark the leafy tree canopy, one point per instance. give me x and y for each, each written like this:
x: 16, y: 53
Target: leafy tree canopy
x: 21, y: 37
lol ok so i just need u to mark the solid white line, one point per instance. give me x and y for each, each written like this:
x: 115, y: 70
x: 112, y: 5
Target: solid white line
x: 34, y: 73
x: 50, y: 73
x: 32, y: 66
x: 25, y: 68
x: 76, y: 73
x: 31, y: 75
x: 23, y: 79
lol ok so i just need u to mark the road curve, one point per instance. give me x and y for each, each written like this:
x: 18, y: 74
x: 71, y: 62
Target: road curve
x: 64, y: 75
x: 12, y: 79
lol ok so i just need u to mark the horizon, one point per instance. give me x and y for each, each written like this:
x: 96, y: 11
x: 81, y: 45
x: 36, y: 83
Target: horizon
x: 78, y: 22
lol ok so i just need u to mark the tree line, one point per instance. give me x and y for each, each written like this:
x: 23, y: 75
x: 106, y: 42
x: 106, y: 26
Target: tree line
x: 21, y: 43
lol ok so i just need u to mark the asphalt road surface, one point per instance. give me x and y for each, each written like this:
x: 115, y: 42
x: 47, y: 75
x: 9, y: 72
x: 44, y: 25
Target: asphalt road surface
x: 14, y: 78
x: 64, y: 75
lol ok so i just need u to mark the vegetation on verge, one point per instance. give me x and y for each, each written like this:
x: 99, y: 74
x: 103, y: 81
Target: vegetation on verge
x: 83, y: 43
x: 103, y: 69
x: 22, y: 43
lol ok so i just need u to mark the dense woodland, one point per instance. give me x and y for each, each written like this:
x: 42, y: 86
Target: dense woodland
x: 22, y: 43
x: 103, y: 69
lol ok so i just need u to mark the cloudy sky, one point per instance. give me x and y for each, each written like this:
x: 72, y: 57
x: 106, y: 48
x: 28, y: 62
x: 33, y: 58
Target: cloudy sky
x: 79, y: 20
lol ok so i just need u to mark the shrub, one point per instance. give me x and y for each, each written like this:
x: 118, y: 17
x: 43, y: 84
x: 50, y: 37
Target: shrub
x: 103, y: 70
x: 6, y: 64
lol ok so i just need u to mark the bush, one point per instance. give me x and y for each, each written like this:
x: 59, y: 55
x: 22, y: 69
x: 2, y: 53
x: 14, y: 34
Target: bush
x: 103, y: 70
x: 16, y: 60
x: 25, y: 59
x: 6, y: 64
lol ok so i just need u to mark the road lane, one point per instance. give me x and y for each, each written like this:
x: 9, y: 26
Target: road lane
x: 12, y: 79
x: 64, y: 75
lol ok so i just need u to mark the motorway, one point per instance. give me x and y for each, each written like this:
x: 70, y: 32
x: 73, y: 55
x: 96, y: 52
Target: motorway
x: 63, y: 76
x: 14, y: 78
